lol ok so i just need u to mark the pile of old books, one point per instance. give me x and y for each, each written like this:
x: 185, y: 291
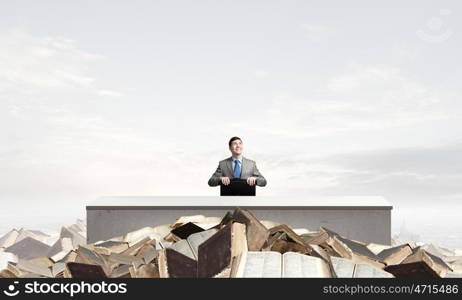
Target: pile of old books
x: 237, y: 245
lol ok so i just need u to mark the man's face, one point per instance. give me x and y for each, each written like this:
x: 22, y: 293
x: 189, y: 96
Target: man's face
x: 236, y: 147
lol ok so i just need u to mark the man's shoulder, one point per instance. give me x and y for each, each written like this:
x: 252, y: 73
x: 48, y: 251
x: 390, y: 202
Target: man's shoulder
x: 248, y: 160
x: 225, y: 160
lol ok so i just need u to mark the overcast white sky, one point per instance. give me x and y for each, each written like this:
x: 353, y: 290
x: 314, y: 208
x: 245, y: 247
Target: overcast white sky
x: 141, y: 97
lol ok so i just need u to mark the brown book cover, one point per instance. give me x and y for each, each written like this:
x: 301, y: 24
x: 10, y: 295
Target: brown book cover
x: 186, y: 230
x: 439, y: 263
x: 85, y: 271
x: 179, y: 265
x: 291, y: 235
x: 256, y: 232
x: 283, y: 239
x: 283, y: 246
x: 418, y: 270
x: 225, y: 220
x: 214, y: 255
x: 147, y: 271
x: 7, y: 274
x: 133, y: 250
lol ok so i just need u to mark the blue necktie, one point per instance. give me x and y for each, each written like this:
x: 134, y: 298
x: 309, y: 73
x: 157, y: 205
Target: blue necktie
x: 237, y: 169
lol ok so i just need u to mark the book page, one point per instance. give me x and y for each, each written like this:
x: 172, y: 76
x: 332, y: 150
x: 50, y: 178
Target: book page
x: 377, y: 248
x: 368, y: 271
x: 266, y: 264
x: 343, y: 267
x: 198, y: 238
x: 296, y: 265
x: 28, y: 266
x: 183, y: 247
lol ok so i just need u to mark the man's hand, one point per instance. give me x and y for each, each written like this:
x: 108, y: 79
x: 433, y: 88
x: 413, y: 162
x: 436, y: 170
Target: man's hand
x: 251, y: 180
x: 225, y: 180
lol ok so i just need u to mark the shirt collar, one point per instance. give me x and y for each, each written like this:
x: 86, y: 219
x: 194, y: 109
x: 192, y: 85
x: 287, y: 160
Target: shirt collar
x: 237, y: 158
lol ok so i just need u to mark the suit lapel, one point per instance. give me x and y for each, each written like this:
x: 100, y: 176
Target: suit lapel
x: 244, y: 167
x: 229, y: 163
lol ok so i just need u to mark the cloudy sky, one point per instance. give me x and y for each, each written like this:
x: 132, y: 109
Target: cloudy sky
x: 140, y: 98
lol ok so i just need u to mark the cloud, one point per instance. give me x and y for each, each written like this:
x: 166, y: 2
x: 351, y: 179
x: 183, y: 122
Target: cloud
x: 366, y: 98
x: 51, y: 126
x: 42, y: 62
x: 80, y: 157
x: 109, y: 93
x: 260, y: 74
x: 35, y: 67
x: 314, y: 33
x: 400, y: 173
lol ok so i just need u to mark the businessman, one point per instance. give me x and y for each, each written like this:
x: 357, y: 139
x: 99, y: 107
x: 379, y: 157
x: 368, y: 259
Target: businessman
x: 237, y: 166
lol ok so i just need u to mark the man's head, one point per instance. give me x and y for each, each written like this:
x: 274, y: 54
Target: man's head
x: 235, y: 146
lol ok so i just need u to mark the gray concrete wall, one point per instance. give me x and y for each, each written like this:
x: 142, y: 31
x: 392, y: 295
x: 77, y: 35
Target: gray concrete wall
x: 371, y: 223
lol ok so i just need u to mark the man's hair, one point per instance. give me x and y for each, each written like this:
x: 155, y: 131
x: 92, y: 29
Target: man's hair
x: 233, y: 139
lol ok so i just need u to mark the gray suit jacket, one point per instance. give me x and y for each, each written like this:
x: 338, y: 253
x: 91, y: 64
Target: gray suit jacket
x: 225, y: 169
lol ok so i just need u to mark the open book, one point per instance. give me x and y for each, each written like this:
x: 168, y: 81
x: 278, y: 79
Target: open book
x: 420, y: 264
x: 209, y: 253
x: 190, y: 245
x: 274, y: 264
x: 346, y: 268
